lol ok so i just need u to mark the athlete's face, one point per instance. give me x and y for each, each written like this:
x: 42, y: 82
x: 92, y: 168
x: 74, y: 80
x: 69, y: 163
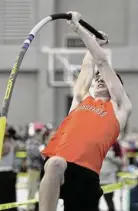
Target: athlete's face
x: 100, y: 88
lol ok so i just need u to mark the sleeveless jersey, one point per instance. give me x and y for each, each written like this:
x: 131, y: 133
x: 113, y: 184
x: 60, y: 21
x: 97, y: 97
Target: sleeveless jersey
x: 86, y: 134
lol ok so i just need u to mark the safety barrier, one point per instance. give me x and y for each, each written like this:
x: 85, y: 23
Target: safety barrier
x: 126, y: 179
x: 22, y: 154
x: 17, y: 204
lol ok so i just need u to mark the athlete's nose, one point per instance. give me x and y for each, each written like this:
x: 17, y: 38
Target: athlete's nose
x: 100, y: 80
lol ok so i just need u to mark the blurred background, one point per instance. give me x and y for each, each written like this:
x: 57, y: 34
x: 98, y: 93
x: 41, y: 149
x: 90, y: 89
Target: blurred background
x: 43, y: 91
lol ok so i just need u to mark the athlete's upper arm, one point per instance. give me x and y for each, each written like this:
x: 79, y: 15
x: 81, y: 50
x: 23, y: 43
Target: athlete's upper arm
x: 85, y: 77
x: 81, y: 88
x: 84, y: 81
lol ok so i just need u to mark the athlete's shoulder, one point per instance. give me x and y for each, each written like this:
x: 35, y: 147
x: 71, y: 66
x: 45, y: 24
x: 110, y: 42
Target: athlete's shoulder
x: 88, y: 96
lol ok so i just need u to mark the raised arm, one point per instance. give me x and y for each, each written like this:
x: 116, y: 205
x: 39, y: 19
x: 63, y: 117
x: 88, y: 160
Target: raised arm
x: 84, y: 81
x: 114, y: 85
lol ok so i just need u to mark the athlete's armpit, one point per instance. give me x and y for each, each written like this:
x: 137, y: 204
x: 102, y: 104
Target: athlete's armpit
x: 122, y: 114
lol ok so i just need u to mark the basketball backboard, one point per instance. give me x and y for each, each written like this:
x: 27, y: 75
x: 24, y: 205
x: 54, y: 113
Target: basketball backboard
x: 64, y: 64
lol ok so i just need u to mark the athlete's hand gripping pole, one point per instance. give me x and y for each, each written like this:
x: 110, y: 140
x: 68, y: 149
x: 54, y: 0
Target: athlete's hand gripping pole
x: 15, y: 69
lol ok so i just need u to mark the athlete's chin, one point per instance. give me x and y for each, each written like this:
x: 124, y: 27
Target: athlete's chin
x: 101, y: 90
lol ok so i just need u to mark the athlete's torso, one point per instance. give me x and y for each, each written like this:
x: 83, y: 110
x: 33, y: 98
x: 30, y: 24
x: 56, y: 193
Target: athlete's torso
x: 86, y: 134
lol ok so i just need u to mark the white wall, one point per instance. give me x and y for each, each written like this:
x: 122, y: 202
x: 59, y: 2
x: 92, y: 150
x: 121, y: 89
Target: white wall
x: 24, y: 101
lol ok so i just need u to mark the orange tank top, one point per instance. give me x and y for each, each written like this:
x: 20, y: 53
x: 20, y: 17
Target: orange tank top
x: 86, y: 134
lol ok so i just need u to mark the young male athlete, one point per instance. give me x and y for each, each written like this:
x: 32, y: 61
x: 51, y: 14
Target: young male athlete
x: 77, y: 150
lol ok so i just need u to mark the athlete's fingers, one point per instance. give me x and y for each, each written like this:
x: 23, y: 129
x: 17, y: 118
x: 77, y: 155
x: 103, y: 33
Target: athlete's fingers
x: 74, y: 22
x: 75, y: 16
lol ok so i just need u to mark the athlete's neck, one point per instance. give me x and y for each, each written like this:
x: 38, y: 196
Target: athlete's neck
x: 105, y: 99
x: 104, y: 96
